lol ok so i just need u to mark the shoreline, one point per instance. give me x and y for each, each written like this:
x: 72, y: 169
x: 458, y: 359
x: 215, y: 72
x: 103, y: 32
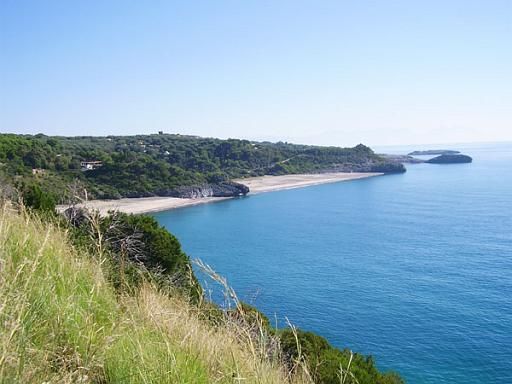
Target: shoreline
x: 263, y: 184
x: 260, y: 184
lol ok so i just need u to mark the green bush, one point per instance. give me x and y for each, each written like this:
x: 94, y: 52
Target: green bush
x: 325, y: 362
x: 34, y: 197
x: 137, y: 249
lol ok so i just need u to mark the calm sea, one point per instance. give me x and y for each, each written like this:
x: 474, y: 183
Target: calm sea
x: 414, y: 269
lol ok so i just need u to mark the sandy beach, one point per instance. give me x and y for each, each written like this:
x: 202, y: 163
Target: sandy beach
x: 275, y: 183
x: 256, y: 184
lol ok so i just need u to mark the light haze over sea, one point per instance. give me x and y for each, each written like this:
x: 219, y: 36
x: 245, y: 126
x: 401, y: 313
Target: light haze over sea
x: 415, y: 269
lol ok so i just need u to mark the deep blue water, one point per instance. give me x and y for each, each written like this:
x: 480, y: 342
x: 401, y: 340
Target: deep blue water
x: 415, y: 269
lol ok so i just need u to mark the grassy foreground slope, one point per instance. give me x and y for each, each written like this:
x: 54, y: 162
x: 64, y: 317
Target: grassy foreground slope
x: 62, y: 322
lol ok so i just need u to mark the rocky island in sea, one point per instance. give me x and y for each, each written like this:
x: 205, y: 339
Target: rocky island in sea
x: 450, y: 159
x: 445, y: 157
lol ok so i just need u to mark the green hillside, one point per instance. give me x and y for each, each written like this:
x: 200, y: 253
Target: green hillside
x: 148, y: 165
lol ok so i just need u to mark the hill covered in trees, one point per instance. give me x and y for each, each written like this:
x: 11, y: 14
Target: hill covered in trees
x: 149, y: 165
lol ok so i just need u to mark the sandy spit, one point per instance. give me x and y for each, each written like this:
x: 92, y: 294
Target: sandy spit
x: 256, y: 185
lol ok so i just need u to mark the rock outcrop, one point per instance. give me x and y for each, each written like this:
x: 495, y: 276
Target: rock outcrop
x: 388, y: 167
x: 221, y: 189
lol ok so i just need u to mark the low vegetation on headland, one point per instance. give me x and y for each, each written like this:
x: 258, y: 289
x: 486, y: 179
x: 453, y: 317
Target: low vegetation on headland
x: 90, y: 299
x: 165, y: 164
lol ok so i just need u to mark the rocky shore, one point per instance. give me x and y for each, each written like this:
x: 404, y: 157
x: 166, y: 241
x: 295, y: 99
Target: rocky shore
x: 222, y: 189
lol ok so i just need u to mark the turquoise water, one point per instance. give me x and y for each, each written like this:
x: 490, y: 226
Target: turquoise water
x: 415, y: 269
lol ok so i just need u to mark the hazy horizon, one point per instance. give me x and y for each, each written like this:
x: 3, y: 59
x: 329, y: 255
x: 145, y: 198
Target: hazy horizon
x: 322, y: 73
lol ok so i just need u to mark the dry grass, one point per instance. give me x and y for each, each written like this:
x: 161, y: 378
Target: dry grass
x: 61, y: 322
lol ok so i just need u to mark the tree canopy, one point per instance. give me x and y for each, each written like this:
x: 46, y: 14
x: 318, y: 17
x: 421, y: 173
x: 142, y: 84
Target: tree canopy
x: 148, y: 165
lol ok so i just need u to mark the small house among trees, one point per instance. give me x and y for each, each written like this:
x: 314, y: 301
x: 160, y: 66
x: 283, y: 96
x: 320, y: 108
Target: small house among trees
x: 38, y: 171
x: 90, y: 165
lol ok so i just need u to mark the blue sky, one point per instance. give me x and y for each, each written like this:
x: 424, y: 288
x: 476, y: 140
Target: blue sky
x: 322, y: 72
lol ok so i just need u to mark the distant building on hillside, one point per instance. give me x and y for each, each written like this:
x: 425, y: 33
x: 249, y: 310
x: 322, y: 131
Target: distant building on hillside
x: 38, y: 171
x: 90, y: 165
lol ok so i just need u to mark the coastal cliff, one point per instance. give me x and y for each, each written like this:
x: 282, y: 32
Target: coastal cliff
x: 222, y: 189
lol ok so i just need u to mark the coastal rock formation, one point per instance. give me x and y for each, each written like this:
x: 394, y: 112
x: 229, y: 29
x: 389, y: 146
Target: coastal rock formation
x: 450, y: 159
x: 221, y: 189
x: 388, y: 167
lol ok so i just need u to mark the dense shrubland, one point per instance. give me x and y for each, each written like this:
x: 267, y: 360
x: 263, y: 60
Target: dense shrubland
x: 146, y: 165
